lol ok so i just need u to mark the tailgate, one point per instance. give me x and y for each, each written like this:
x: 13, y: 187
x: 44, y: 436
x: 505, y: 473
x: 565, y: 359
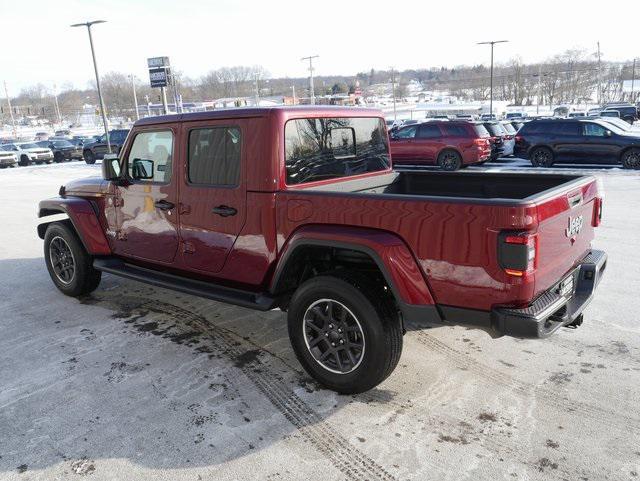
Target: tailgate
x: 565, y: 231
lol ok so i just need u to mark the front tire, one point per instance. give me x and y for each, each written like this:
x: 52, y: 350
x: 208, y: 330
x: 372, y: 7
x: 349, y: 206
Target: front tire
x: 89, y: 157
x: 24, y: 161
x: 449, y: 160
x: 58, y: 157
x: 69, y: 264
x: 631, y: 159
x: 541, y: 157
x: 345, y: 331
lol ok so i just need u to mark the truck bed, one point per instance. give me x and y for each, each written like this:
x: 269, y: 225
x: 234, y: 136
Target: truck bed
x: 468, y: 185
x: 451, y: 222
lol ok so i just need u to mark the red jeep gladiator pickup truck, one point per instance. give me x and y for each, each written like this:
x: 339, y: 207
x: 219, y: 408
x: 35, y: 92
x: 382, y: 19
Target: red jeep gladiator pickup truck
x: 298, y: 208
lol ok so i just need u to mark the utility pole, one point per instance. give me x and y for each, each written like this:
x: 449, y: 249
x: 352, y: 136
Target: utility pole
x: 539, y: 89
x: 135, y: 96
x: 55, y: 97
x: 293, y: 88
x: 492, y: 43
x: 599, y: 95
x: 146, y: 97
x: 393, y: 92
x: 312, y: 96
x: 633, y: 79
x: 255, y: 76
x: 13, y: 122
x: 95, y: 67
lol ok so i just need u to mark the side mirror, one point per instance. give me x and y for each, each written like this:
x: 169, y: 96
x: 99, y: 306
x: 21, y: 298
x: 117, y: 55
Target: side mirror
x: 608, y: 133
x: 142, y: 169
x: 110, y: 167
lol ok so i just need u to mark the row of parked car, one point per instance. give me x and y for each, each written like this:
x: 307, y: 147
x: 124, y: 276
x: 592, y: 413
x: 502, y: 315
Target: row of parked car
x: 59, y: 148
x: 452, y: 145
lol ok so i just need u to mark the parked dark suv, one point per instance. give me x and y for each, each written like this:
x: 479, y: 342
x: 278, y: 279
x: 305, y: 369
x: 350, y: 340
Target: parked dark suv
x: 628, y: 113
x: 577, y: 141
x: 97, y: 150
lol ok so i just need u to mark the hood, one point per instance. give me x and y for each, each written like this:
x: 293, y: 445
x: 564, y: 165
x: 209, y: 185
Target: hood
x: 88, y: 185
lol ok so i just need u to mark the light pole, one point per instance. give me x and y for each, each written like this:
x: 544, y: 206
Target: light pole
x: 95, y: 67
x: 393, y: 92
x: 135, y: 96
x: 633, y: 79
x: 492, y: 43
x: 312, y: 96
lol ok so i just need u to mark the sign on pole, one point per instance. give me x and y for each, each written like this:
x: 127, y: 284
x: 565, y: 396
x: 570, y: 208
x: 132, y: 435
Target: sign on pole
x: 159, y: 71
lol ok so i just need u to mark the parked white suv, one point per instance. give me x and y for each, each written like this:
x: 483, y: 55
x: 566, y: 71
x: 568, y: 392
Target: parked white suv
x: 28, y: 152
x: 7, y: 159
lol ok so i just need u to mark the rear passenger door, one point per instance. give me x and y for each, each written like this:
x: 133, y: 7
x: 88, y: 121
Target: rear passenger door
x: 568, y: 141
x: 429, y: 142
x: 212, y: 192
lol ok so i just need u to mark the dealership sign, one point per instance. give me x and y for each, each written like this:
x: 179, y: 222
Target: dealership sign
x: 159, y: 71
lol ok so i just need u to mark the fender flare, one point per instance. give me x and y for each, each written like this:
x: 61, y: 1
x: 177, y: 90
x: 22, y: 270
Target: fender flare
x: 84, y: 219
x: 392, y: 256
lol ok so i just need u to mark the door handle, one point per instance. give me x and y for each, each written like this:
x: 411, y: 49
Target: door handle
x: 224, y: 210
x: 164, y: 204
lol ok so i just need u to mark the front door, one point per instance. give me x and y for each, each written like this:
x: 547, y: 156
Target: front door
x: 599, y: 144
x: 147, y: 218
x: 402, y: 143
x: 212, y: 192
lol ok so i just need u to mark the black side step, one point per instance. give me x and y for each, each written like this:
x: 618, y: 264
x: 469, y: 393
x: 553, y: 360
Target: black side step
x: 207, y: 290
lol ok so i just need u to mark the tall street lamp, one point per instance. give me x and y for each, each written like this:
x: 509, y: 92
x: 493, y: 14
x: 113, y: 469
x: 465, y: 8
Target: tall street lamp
x: 95, y: 67
x: 492, y: 43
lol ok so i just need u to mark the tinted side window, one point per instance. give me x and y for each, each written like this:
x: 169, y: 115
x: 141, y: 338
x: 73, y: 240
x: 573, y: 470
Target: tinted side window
x: 407, y: 133
x: 214, y: 156
x: 157, y: 147
x: 569, y: 128
x: 455, y: 130
x: 594, y: 130
x: 429, y: 131
x: 535, y: 128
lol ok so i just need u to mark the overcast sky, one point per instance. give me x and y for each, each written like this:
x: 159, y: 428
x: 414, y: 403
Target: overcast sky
x: 37, y: 44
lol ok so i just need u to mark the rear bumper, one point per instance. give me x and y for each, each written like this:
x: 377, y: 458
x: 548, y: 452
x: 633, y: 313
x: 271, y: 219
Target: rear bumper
x: 552, y: 310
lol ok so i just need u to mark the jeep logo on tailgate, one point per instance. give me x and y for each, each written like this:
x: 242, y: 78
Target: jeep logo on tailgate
x: 575, y: 226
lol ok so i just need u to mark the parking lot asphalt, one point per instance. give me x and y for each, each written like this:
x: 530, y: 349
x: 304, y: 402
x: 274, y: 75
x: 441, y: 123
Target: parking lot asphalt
x: 137, y: 382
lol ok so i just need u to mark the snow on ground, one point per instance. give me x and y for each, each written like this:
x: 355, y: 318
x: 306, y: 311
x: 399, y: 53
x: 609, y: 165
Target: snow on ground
x: 136, y: 382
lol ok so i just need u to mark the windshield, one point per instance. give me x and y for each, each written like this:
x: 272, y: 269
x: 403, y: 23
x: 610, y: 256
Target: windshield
x: 62, y: 143
x: 481, y: 130
x: 329, y: 148
x: 495, y: 129
x: 509, y: 128
x: 28, y: 146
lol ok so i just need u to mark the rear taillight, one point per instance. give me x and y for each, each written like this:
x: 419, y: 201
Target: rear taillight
x: 508, y: 137
x: 482, y: 142
x: 518, y: 138
x: 597, y: 212
x: 517, y: 252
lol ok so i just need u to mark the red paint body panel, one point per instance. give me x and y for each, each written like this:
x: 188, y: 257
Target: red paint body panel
x: 84, y: 219
x: 395, y: 256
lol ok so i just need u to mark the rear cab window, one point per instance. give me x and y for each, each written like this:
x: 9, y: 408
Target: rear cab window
x: 330, y: 148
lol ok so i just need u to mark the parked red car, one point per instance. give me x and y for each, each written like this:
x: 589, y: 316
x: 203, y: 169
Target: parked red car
x: 451, y: 145
x: 299, y: 209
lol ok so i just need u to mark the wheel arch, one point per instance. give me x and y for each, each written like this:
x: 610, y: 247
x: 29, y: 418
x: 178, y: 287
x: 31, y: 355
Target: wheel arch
x: 81, y: 214
x: 384, y: 251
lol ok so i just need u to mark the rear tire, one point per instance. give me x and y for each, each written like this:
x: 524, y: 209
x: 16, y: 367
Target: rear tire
x: 541, y: 157
x: 345, y: 331
x: 89, y: 157
x: 69, y: 264
x: 449, y: 160
x: 631, y: 159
